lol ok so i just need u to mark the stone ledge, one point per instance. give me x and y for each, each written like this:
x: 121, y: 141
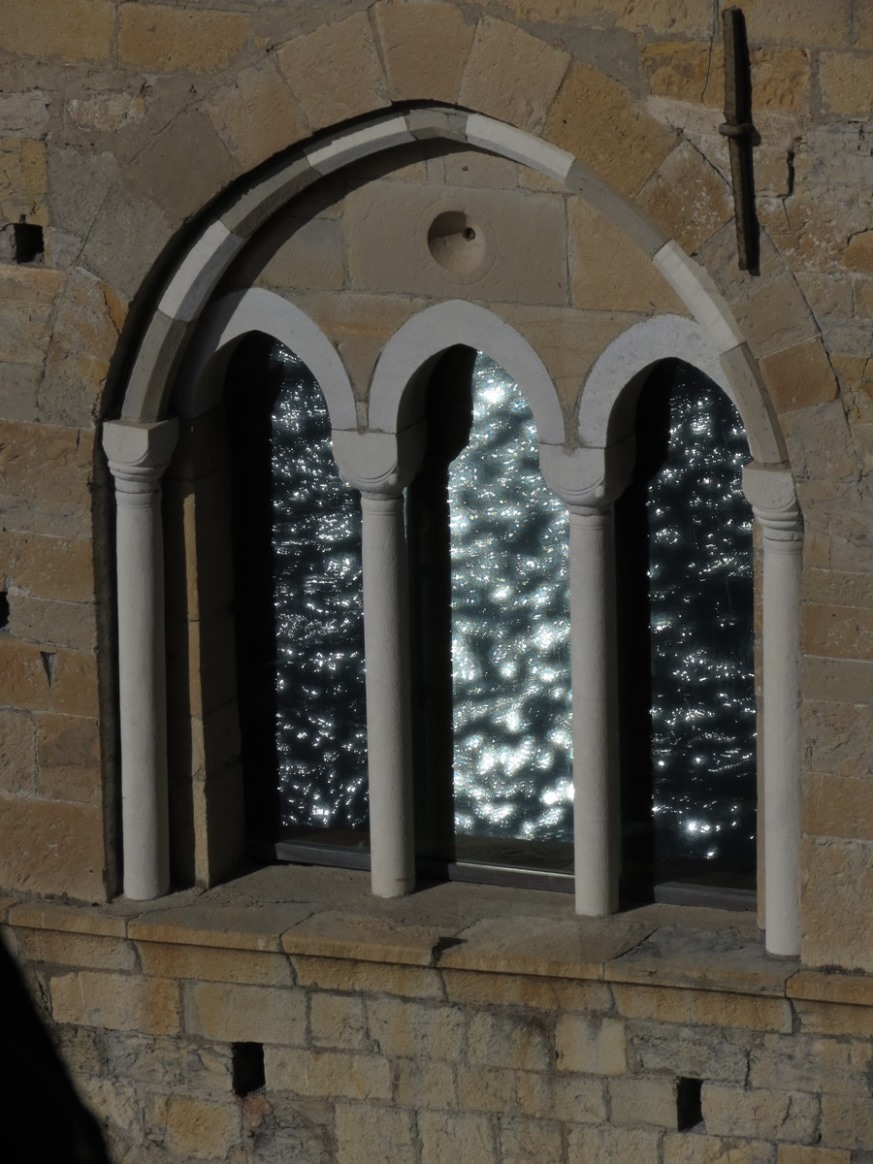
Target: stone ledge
x: 308, y: 912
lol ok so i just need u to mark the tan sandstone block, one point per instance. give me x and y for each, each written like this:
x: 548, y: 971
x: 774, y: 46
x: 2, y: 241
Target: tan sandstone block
x: 681, y: 1148
x: 838, y: 806
x: 338, y: 1021
x: 334, y: 72
x: 256, y: 116
x: 838, y: 885
x: 235, y: 1013
x: 536, y: 1139
x: 58, y: 568
x: 700, y: 1007
x: 858, y: 255
x: 379, y: 1134
x: 800, y: 376
x: 27, y: 300
x: 333, y: 934
x: 197, y: 1130
x: 609, y: 272
x: 55, y: 679
x: 59, y: 848
x: 44, y: 462
x: 407, y: 1028
x: 252, y: 926
x: 685, y: 71
x: 17, y: 752
x: 68, y: 751
x: 69, y: 30
x: 520, y: 95
x: 781, y: 80
x: 798, y: 1154
x: 367, y: 977
x: 841, y: 632
x: 612, y: 1145
x: 591, y: 1046
x: 513, y: 990
x: 157, y: 37
x: 487, y: 1089
x: 74, y: 919
x: 85, y: 950
x: 591, y: 113
x: 420, y: 1084
x: 328, y: 1074
x: 633, y: 1102
x: 23, y: 181
x: 425, y: 47
x: 800, y: 22
x: 846, y: 83
x: 446, y: 1139
x: 774, y: 1115
x: 116, y: 1002
x: 847, y: 1121
x: 706, y: 203
x: 211, y: 965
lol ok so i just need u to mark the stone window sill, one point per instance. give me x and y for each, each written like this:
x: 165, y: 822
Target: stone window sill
x: 317, y: 913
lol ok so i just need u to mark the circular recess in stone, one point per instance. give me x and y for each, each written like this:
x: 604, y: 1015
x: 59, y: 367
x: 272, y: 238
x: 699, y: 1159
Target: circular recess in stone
x: 457, y: 242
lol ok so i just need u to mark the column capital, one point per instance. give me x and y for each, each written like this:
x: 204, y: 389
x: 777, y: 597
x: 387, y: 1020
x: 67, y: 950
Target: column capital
x: 770, y: 491
x: 139, y: 452
x: 379, y: 464
x: 587, y: 480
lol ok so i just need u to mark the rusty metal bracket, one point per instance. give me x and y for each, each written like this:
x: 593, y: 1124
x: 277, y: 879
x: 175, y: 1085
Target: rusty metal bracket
x: 740, y: 133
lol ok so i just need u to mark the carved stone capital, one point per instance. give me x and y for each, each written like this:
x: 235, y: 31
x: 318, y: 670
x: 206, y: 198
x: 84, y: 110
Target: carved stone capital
x: 139, y: 452
x: 587, y: 479
x: 379, y: 464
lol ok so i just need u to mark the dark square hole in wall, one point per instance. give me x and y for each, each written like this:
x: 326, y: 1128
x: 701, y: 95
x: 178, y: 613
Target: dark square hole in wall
x: 247, y: 1063
x: 689, y: 1112
x: 21, y: 242
x: 4, y: 610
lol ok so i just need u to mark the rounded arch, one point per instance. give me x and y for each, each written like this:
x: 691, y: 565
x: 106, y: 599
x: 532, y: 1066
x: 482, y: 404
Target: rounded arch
x: 227, y: 320
x: 397, y: 388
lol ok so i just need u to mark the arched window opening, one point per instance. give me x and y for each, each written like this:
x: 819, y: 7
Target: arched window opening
x: 298, y: 611
x: 488, y: 541
x: 686, y: 647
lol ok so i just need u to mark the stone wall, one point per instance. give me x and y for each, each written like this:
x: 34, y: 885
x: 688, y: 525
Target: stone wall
x: 124, y: 128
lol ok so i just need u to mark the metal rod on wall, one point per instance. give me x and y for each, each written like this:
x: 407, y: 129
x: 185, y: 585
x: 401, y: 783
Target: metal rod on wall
x: 739, y: 131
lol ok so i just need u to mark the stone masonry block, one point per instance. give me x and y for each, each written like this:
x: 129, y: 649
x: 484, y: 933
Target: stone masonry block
x: 374, y: 1133
x: 591, y: 1046
x: 609, y: 272
x: 837, y: 806
x: 339, y: 1021
x: 591, y: 113
x: 519, y: 1038
x: 58, y: 624
x: 635, y: 1102
x: 234, y: 1013
x: 372, y: 977
x: 800, y: 376
x: 87, y: 951
x: 158, y: 38
x: 69, y: 753
x: 68, y: 30
x: 23, y: 181
x: 425, y: 47
x: 420, y: 1084
x: 521, y: 95
x: 808, y: 1063
x: 703, y: 1007
x: 760, y: 1113
x: 58, y: 568
x: 705, y: 205
x: 116, y: 1002
x: 611, y: 1145
x: 411, y: 1028
x: 842, y: 632
x: 335, y: 72
x: 798, y: 1154
x: 466, y: 986
x: 256, y: 116
x: 538, y: 1140
x: 835, y: 739
x: 445, y: 1139
x: 17, y: 752
x: 328, y: 1074
x: 214, y: 965
x: 685, y: 70
x: 27, y: 301
x: 681, y: 1148
x: 838, y: 882
x: 577, y: 1099
x: 487, y: 1089
x: 846, y: 85
x: 54, y: 679
x: 59, y: 848
x: 198, y: 1131
x: 695, y: 1052
x: 798, y: 22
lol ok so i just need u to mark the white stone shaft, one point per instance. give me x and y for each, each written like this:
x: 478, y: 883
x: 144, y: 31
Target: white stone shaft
x: 595, y: 765
x: 138, y: 455
x: 781, y: 744
x: 392, y: 850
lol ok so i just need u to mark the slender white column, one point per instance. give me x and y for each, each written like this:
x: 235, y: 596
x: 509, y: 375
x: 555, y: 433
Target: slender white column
x: 771, y: 492
x: 595, y: 763
x: 138, y: 455
x: 388, y: 703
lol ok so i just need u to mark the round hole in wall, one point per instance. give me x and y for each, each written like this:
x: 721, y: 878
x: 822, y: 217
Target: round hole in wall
x: 456, y: 242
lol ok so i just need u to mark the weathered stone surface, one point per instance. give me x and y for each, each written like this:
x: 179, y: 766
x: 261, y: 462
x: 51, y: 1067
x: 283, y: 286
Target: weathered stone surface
x: 23, y: 181
x: 591, y: 1046
x: 410, y: 1029
x: 774, y: 1115
x: 228, y: 927
x: 702, y: 1007
x: 68, y: 30
x: 420, y: 1084
x: 682, y: 1148
x: 245, y: 1014
x: 845, y: 84
x: 335, y: 1074
x: 197, y: 1130
x: 116, y: 1002
x: 425, y: 47
x: 797, y: 22
x: 641, y: 1102
x: 374, y: 1133
x: 27, y: 300
x: 800, y: 376
x: 337, y: 935
x: 256, y: 116
x: 89, y: 951
x: 522, y: 95
x: 572, y: 126
x: 610, y: 1145
x: 706, y: 204
x: 17, y: 752
x: 531, y: 1140
x: 58, y: 849
x: 448, y: 1138
x: 163, y: 39
x: 164, y: 960
x: 837, y: 882
x: 333, y: 974
x: 688, y: 1051
x: 335, y: 72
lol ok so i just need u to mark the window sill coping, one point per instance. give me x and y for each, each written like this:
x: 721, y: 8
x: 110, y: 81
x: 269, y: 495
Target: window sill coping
x: 309, y: 912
